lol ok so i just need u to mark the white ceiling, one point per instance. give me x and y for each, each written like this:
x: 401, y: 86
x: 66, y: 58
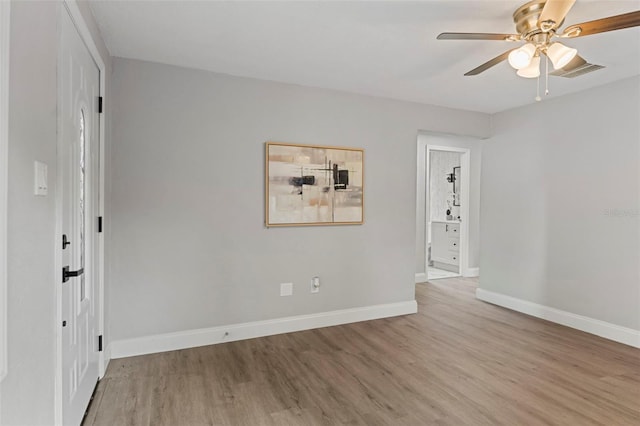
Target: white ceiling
x: 382, y: 48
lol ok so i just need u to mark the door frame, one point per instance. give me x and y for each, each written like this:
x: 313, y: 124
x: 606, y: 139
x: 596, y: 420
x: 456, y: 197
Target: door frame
x: 71, y: 7
x: 465, y: 177
x: 5, y: 23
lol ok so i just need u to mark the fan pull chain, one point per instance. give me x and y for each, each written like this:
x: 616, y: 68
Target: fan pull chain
x: 546, y: 75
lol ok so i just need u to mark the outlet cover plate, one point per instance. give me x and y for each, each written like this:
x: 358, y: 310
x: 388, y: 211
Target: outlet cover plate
x: 286, y: 289
x: 315, y: 284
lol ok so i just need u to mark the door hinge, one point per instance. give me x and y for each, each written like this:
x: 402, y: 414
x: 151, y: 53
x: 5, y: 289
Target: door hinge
x: 65, y: 242
x: 100, y: 104
x: 100, y: 343
x: 99, y: 223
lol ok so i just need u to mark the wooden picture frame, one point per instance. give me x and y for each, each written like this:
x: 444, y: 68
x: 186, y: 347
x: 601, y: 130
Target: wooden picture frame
x: 313, y: 185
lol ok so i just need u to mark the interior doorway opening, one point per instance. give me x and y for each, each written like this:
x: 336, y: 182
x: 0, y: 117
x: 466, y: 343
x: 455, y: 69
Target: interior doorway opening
x: 447, y: 185
x: 444, y: 215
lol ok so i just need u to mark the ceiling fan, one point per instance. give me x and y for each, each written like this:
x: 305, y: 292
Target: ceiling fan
x: 538, y: 24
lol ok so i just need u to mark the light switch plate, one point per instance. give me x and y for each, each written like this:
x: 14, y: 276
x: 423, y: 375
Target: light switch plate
x: 41, y: 185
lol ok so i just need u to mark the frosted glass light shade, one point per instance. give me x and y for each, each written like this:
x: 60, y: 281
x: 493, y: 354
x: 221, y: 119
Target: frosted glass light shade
x: 560, y: 54
x: 521, y: 58
x: 533, y: 70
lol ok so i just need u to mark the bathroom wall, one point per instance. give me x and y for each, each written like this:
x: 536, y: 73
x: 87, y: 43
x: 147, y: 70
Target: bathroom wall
x: 441, y: 164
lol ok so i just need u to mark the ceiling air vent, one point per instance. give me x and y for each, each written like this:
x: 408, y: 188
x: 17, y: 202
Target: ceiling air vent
x: 576, y: 68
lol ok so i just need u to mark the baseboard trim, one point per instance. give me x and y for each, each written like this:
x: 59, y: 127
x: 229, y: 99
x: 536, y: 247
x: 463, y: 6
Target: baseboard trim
x: 105, y: 359
x: 617, y: 333
x: 471, y: 272
x: 229, y: 333
x: 421, y: 277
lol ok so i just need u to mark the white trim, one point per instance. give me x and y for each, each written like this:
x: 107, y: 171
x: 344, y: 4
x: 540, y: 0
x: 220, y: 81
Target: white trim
x: 625, y: 335
x: 471, y: 272
x: 72, y: 8
x: 229, y: 333
x: 5, y: 21
x: 421, y: 277
x: 107, y: 354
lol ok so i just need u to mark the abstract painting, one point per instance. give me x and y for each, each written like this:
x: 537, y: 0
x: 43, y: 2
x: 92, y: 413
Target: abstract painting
x: 313, y: 185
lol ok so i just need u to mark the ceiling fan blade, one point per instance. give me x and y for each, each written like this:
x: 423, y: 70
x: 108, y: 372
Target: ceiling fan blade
x: 554, y: 11
x: 612, y: 23
x: 478, y: 36
x: 489, y: 64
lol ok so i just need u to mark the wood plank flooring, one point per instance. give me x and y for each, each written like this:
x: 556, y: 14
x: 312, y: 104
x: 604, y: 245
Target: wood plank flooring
x: 458, y: 361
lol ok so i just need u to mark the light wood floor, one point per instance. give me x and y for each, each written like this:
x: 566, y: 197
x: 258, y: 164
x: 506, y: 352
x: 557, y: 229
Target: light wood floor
x: 459, y: 361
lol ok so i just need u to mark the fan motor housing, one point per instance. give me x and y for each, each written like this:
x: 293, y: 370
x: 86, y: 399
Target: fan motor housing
x: 526, y: 19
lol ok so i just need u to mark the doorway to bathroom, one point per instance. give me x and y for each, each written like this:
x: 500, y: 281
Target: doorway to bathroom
x: 447, y: 210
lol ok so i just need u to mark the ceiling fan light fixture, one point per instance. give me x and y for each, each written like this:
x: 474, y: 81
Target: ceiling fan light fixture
x: 521, y: 58
x: 533, y: 70
x: 560, y: 54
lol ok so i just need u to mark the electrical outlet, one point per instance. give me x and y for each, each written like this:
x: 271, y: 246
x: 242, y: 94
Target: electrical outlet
x: 315, y: 284
x: 286, y: 289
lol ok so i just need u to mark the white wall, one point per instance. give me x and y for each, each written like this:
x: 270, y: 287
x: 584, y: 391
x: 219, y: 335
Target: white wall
x: 475, y: 145
x: 560, y: 208
x: 27, y: 393
x: 189, y: 246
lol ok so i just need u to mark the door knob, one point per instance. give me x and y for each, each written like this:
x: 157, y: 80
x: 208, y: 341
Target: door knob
x: 65, y: 242
x: 66, y: 273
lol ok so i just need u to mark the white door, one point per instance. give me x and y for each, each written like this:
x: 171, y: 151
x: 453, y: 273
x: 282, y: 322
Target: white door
x: 79, y: 87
